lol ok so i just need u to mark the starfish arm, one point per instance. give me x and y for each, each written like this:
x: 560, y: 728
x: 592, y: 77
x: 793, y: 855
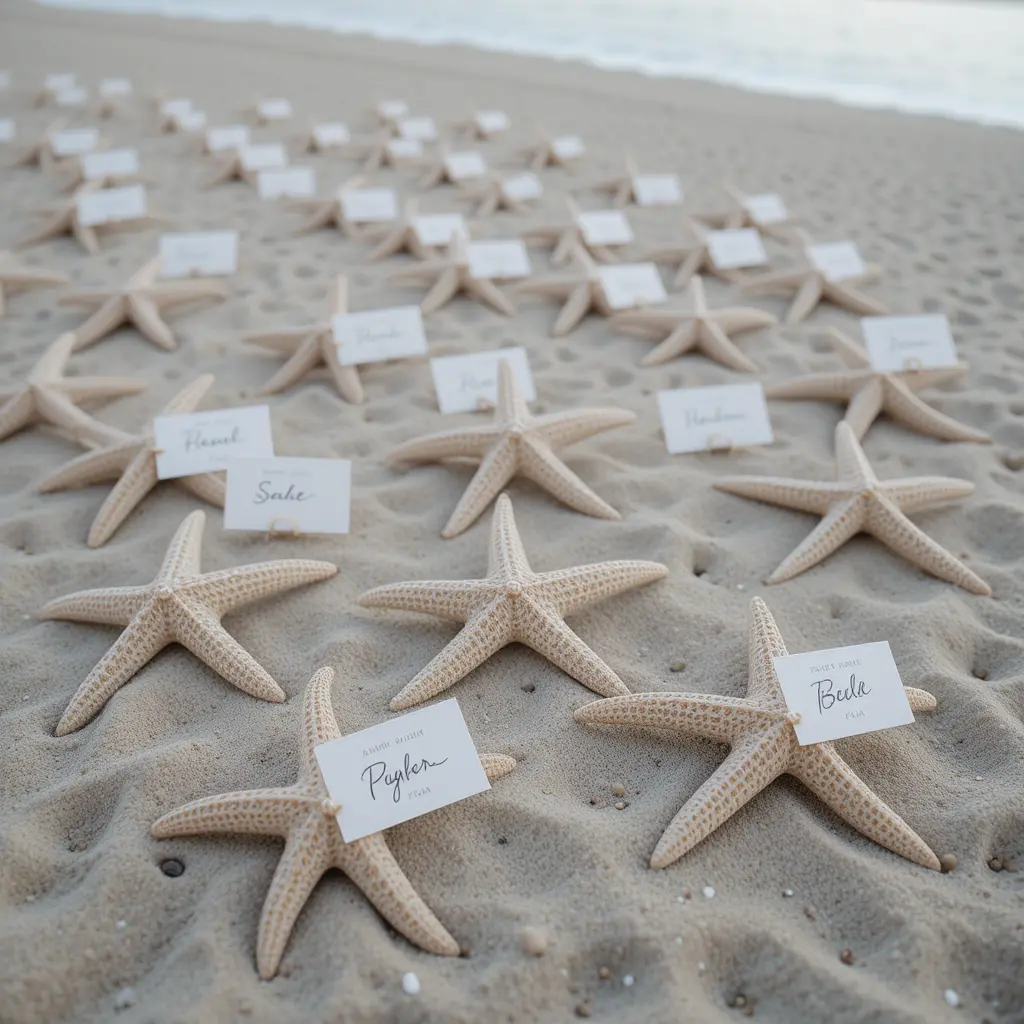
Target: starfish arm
x: 852, y: 354
x: 27, y: 277
x: 259, y: 812
x: 506, y: 555
x: 833, y: 782
x: 85, y: 236
x: 557, y: 286
x: 764, y: 644
x: 907, y: 408
x: 305, y: 357
x: 603, y: 253
x: 394, y: 241
x: 468, y: 442
x: 443, y: 290
x: 844, y: 520
x: 319, y: 724
x: 575, y: 309
x: 16, y: 413
x: 143, y: 312
x: 738, y: 319
x: 825, y: 387
x: 720, y: 347
x: 496, y: 468
x: 57, y: 409
x: 930, y: 377
x: 865, y: 405
x: 653, y: 321
x: 540, y: 464
x: 182, y: 557
x: 107, y: 318
x: 137, y: 480
x: 852, y: 466
x: 801, y: 495
x: 853, y: 299
x: 691, y: 265
x: 497, y: 766
x: 490, y: 294
x: 570, y: 238
x: 189, y: 396
x: 569, y: 590
x: 59, y: 224
x: 682, y: 339
x: 624, y: 195
x: 345, y: 377
x: 420, y: 273
x: 285, y: 340
x: 210, y: 487
x: 227, y: 591
x: 919, y: 492
x: 920, y: 700
x: 92, y: 389
x: 322, y: 215
x: 106, y: 606
x: 781, y: 281
x: 561, y: 429
x: 544, y: 234
x: 448, y: 599
x: 808, y: 295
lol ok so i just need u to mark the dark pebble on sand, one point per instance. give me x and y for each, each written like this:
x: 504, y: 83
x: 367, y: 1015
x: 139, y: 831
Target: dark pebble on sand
x: 172, y: 867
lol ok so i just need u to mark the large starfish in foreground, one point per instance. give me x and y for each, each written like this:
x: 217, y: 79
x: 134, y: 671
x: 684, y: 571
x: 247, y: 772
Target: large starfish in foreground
x: 512, y: 604
x: 139, y: 301
x: 581, y: 291
x: 516, y: 443
x: 690, y: 258
x: 867, y: 393
x: 132, y: 461
x: 303, y: 815
x: 858, y: 502
x: 47, y: 396
x: 698, y: 329
x: 741, y: 215
x: 330, y: 212
x: 311, y: 346
x: 182, y: 605
x: 759, y: 729
x: 17, y: 276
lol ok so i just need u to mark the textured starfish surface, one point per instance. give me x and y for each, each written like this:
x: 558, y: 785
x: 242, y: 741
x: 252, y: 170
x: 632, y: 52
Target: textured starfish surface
x: 399, y: 236
x: 740, y: 215
x: 698, y: 329
x: 303, y: 815
x: 517, y: 443
x: 16, y: 276
x: 580, y: 290
x: 140, y: 302
x: 564, y: 237
x: 437, y: 170
x: 546, y: 152
x: 449, y: 275
x: 512, y: 604
x: 40, y: 152
x: 311, y: 346
x: 689, y: 258
x: 47, y: 396
x: 329, y: 212
x: 759, y: 729
x: 867, y: 393
x: 131, y: 460
x: 858, y: 502
x: 491, y: 195
x: 182, y: 605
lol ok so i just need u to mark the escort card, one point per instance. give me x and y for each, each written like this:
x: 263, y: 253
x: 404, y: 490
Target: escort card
x: 400, y: 769
x: 391, y: 110
x: 175, y: 108
x: 657, y: 190
x: 522, y: 186
x: 422, y: 129
x: 110, y: 205
x: 293, y: 182
x: 844, y: 691
x: 465, y: 165
x: 503, y: 260
x: 285, y: 495
x: 6, y: 129
x: 263, y: 156
x: 205, y: 442
x: 368, y: 205
x: 405, y: 149
x: 199, y: 254
x: 568, y: 147
x: 58, y: 81
x: 379, y: 334
x: 110, y: 163
x: 627, y: 285
x: 767, y: 208
x: 74, y: 141
x: 703, y: 419
x: 190, y: 121
x: 438, y: 228
x: 490, y: 122
x: 111, y: 87
x: 461, y: 382
x: 73, y: 97
x: 274, y: 110
x: 334, y: 134
x: 908, y: 342
x: 605, y: 227
x: 736, y: 248
x: 838, y: 261
x: 228, y: 136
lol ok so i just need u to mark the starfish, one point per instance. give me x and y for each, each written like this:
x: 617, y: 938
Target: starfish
x: 564, y: 237
x: 621, y: 187
x: 379, y: 152
x: 450, y: 275
x: 438, y: 171
x: 399, y: 236
x: 740, y: 215
x: 320, y: 140
x: 139, y: 301
x: 690, y: 258
x: 310, y: 346
x: 131, y: 460
x: 303, y: 815
x: 516, y: 443
x: 512, y: 604
x: 492, y: 194
x: 231, y: 168
x: 182, y: 605
x: 330, y: 212
x: 867, y: 393
x: 47, y: 396
x: 17, y: 276
x: 40, y: 153
x: 699, y: 329
x: 76, y: 178
x: 759, y: 729
x: 858, y: 502
x: 483, y: 124
x: 549, y: 151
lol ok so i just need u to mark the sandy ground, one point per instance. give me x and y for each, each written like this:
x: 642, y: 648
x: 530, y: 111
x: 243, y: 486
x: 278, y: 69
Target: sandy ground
x: 87, y: 912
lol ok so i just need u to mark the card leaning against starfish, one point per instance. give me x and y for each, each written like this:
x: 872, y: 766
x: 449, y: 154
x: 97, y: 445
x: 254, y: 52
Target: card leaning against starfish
x: 303, y: 815
x: 858, y: 502
x: 549, y: 151
x: 581, y: 291
x: 512, y: 604
x: 329, y: 212
x: 181, y: 605
x: 565, y: 236
x: 516, y: 443
x: 397, y: 236
x: 689, y: 258
x: 16, y: 276
x: 492, y: 193
x: 759, y: 729
x: 741, y: 215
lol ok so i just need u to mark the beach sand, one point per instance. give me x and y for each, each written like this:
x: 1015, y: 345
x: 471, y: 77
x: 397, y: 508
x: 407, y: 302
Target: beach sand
x: 86, y: 912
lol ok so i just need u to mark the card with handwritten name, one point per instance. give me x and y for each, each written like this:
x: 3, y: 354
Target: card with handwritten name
x: 263, y: 156
x: 422, y: 129
x: 369, y: 205
x: 227, y: 136
x: 332, y: 134
x: 568, y: 147
x: 490, y: 122
x: 205, y: 442
x: 110, y: 163
x: 465, y: 165
x: 274, y: 110
x: 286, y: 182
x: 657, y: 189
x: 838, y: 261
x: 504, y: 260
x: 767, y: 208
x: 843, y: 691
x: 405, y: 149
x: 74, y: 141
x: 735, y: 248
x: 628, y: 285
x: 199, y: 254
x: 469, y: 383
x: 73, y: 97
x: 288, y: 495
x: 379, y: 334
x: 110, y: 205
x: 908, y: 342
x: 110, y: 88
x: 522, y: 186
x: 710, y: 418
x: 390, y: 110
x: 605, y: 227
x: 438, y: 228
x: 400, y: 769
x: 6, y: 129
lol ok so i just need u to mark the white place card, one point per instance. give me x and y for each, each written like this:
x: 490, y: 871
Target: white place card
x: 286, y: 495
x: 6, y: 129
x: 767, y: 208
x: 74, y: 141
x: 205, y: 442
x: 490, y: 122
x: 522, y: 186
x: 703, y: 419
x: 110, y: 163
x: 735, y: 248
x: 463, y: 382
x: 110, y: 205
x: 908, y: 342
x: 291, y: 182
x: 657, y: 189
x: 227, y: 136
x: 379, y: 334
x: 391, y: 110
x: 332, y: 134
x: 400, y: 769
x: 605, y: 227
x: 175, y: 108
x: 438, y: 228
x: 368, y: 205
x: 262, y: 156
x: 59, y: 80
x: 568, y: 147
x: 199, y: 254
x: 422, y: 129
x: 504, y: 260
x: 405, y: 149
x: 111, y: 87
x: 73, y: 97
x: 627, y: 285
x: 191, y: 120
x: 275, y: 110
x: 465, y: 165
x: 843, y: 691
x: 838, y: 261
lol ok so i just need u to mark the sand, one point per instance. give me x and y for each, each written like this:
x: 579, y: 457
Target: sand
x: 544, y: 862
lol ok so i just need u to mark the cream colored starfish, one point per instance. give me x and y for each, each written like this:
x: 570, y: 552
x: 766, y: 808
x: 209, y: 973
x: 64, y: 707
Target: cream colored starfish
x: 40, y: 152
x: 47, y: 396
x: 699, y: 329
x: 759, y: 729
x: 315, y: 142
x: 478, y: 126
x: 516, y: 444
x: 550, y: 151
x: 182, y: 605
x: 303, y: 815
x: 491, y: 194
x: 230, y: 168
x: 450, y: 275
x: 311, y: 346
x: 378, y: 152
x: 330, y: 212
x: 740, y: 215
x: 399, y: 236
x: 867, y: 393
x: 17, y: 276
x: 438, y: 171
x: 512, y: 604
x: 858, y: 502
x: 621, y: 187
x: 690, y: 258
x: 139, y: 301
x: 131, y: 460
x: 566, y: 236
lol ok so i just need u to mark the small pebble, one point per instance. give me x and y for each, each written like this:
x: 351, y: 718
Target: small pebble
x: 628, y: 980
x: 604, y: 973
x: 528, y: 687
x: 981, y: 673
x: 709, y: 892
x: 687, y: 894
x: 951, y: 997
x: 126, y: 998
x: 410, y: 984
x: 809, y: 912
x: 533, y: 940
x: 583, y: 1009
x: 996, y: 864
x: 701, y: 967
x: 739, y: 1001
x: 1013, y: 460
x: 679, y: 940
x: 618, y: 789
x: 788, y: 892
x: 740, y: 586
x: 679, y: 666
x: 121, y: 925
x: 621, y: 805
x: 948, y: 862
x: 846, y: 956
x: 172, y: 867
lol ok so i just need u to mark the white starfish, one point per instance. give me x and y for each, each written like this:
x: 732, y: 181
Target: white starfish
x: 17, y: 276
x: 399, y: 236
x: 690, y: 258
x: 330, y: 212
x: 564, y: 237
x: 740, y: 215
x: 581, y: 291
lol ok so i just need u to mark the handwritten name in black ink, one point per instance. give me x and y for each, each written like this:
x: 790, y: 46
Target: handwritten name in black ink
x: 378, y: 772
x: 829, y: 695
x: 265, y: 492
x: 700, y: 419
x: 196, y: 440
